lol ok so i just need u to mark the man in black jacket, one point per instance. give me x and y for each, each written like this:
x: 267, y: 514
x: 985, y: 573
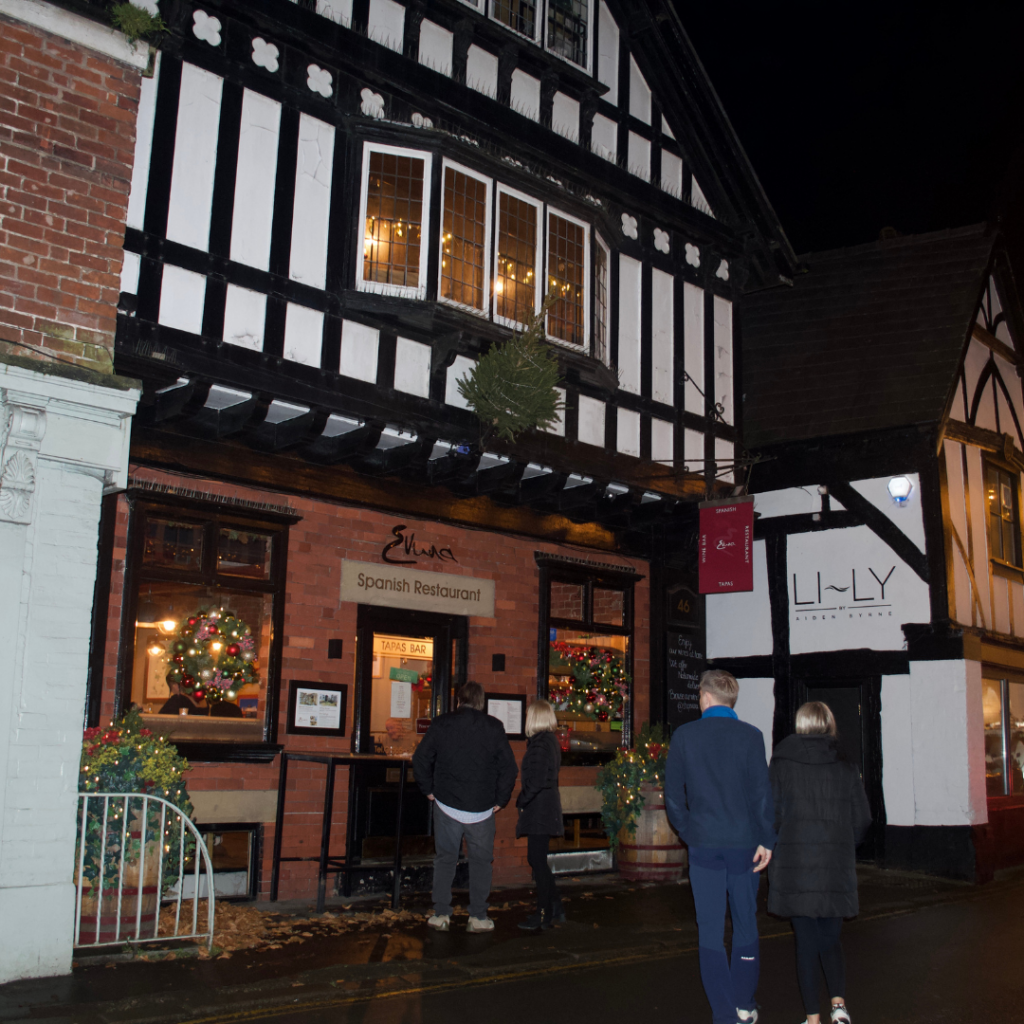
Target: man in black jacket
x: 465, y: 765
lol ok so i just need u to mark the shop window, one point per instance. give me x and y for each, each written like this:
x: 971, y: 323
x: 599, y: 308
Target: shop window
x: 1003, y: 713
x: 587, y: 624
x: 1002, y: 494
x: 207, y: 593
x: 601, y: 305
x: 464, y: 238
x: 394, y: 210
x: 568, y: 22
x: 515, y: 286
x: 567, y: 272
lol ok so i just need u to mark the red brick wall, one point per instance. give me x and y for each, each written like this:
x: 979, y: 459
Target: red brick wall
x: 327, y: 534
x: 67, y: 143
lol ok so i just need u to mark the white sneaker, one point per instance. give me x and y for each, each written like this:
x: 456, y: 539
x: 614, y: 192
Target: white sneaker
x: 439, y: 922
x: 748, y: 1016
x: 480, y: 924
x: 840, y: 1014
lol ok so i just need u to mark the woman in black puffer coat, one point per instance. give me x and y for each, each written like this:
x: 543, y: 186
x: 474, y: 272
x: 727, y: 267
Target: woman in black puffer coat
x: 540, y: 810
x: 821, y: 813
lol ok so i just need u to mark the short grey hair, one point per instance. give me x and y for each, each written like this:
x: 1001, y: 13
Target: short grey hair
x: 721, y: 685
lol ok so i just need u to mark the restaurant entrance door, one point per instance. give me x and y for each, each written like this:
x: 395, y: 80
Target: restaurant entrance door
x: 409, y: 666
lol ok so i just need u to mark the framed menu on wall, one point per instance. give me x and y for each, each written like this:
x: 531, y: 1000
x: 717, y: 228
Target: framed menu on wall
x: 510, y: 710
x: 317, y: 709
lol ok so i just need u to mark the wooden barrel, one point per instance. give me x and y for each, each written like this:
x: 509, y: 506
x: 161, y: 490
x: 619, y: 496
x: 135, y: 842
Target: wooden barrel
x: 105, y: 929
x: 653, y: 853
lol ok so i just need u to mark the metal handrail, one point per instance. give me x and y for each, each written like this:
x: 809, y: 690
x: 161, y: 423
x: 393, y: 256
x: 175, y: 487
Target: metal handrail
x: 113, y: 839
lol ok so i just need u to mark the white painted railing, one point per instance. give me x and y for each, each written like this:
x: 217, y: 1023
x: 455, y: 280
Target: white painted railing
x: 130, y: 863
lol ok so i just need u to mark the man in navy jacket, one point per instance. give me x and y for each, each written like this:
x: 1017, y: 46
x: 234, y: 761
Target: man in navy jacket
x: 719, y: 799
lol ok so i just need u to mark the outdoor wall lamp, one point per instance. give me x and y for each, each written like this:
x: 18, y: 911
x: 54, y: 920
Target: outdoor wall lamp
x: 900, y: 488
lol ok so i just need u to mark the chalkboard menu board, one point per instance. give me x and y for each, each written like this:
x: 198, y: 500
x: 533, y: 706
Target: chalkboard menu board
x: 684, y: 665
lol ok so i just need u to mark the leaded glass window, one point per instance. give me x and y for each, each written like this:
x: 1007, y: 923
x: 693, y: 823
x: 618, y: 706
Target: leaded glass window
x: 394, y: 216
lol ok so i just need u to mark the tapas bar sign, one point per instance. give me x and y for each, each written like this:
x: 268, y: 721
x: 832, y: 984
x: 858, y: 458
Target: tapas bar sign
x: 726, y: 546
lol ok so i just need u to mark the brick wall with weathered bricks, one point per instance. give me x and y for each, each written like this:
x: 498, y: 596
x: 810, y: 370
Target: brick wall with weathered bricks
x: 314, y: 614
x: 67, y: 143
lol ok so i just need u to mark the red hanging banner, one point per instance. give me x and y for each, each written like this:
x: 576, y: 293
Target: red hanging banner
x: 726, y: 546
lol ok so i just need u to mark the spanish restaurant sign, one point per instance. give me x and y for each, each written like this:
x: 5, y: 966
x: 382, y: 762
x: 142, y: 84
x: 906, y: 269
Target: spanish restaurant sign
x: 726, y: 564
x: 395, y: 586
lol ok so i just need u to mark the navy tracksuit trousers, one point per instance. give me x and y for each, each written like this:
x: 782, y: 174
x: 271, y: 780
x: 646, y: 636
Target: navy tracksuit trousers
x: 718, y: 874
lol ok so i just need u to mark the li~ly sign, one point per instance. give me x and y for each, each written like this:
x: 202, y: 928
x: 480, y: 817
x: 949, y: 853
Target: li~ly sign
x: 726, y: 564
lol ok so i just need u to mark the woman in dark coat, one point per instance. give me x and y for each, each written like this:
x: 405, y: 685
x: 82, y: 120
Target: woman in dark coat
x: 821, y: 813
x: 540, y: 810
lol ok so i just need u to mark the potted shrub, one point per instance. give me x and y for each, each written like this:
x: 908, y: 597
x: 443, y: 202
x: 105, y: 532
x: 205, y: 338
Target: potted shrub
x: 633, y: 810
x: 126, y: 757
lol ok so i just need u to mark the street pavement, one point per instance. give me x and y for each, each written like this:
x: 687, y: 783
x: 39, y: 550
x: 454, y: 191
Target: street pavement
x: 923, y: 950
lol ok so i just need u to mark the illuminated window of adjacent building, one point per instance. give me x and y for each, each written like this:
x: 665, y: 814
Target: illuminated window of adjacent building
x: 518, y: 15
x: 515, y: 285
x: 393, y: 210
x: 568, y: 22
x: 567, y: 269
x: 464, y: 238
x: 601, y: 308
x: 1002, y: 495
x: 1002, y: 706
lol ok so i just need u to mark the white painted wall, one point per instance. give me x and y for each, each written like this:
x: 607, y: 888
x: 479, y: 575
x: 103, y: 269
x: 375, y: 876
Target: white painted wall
x: 638, y: 158
x: 412, y: 367
x: 608, y: 53
x: 565, y: 116
x: 144, y: 123
x: 629, y: 324
x: 386, y: 24
x: 359, y: 351
x: 525, y: 97
x: 590, y: 422
x: 482, y: 71
x: 672, y: 174
x: 740, y: 625
x: 311, y: 211
x: 639, y: 93
x: 253, y: 211
x: 73, y: 437
x: 604, y: 135
x: 662, y: 337
x: 790, y: 501
x: 436, y: 47
x: 662, y: 441
x: 693, y: 347
x: 933, y: 745
x: 303, y: 334
x: 723, y: 357
x: 756, y: 705
x: 628, y: 431
x: 908, y: 516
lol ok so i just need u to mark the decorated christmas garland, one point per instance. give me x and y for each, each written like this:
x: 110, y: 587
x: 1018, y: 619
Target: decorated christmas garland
x: 213, y: 656
x: 599, y: 683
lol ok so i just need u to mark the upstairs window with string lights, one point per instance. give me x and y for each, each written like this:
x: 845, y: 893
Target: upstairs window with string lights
x: 206, y: 598
x: 568, y: 269
x: 465, y: 238
x: 1002, y: 496
x: 394, y: 212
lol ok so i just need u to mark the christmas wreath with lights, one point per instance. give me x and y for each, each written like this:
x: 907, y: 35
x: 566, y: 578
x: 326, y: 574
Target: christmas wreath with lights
x: 213, y: 656
x: 599, y: 684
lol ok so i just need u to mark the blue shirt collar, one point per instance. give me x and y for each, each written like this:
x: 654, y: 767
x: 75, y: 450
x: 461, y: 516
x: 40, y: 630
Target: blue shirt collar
x: 719, y: 711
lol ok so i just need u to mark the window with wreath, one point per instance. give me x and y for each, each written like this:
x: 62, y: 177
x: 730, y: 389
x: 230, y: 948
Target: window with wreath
x: 1002, y: 496
x: 587, y: 643
x: 206, y: 596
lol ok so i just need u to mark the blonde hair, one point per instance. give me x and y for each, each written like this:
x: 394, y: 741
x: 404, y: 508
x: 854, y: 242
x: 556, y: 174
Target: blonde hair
x: 540, y: 717
x: 815, y: 719
x: 721, y: 685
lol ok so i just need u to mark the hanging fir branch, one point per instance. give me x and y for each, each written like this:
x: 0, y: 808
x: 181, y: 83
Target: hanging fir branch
x: 512, y: 387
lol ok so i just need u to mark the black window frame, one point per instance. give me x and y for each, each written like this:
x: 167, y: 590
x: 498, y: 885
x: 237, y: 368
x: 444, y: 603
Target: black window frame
x: 213, y: 517
x: 1000, y: 564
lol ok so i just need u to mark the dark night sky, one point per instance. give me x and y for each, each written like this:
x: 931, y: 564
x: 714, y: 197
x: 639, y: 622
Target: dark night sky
x: 861, y: 116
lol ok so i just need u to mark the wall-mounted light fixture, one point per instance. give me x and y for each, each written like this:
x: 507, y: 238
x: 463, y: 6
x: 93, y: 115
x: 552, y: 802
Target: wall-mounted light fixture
x: 900, y: 489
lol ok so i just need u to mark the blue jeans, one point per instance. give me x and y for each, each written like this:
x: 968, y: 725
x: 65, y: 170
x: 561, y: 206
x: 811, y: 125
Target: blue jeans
x: 448, y: 835
x: 716, y: 875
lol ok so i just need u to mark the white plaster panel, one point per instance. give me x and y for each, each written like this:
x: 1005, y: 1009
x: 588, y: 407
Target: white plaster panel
x: 985, y: 417
x: 482, y: 71
x: 339, y: 11
x: 359, y: 351
x: 977, y: 357
x: 412, y: 367
x: 1013, y: 385
x: 590, y: 424
x: 663, y: 337
x: 848, y: 589
x: 608, y: 53
x: 131, y: 263
x: 791, y: 501
x: 629, y: 324
x: 697, y: 198
x: 565, y: 116
x: 959, y: 409
x: 386, y: 24
x: 1000, y: 604
x: 255, y: 178
x: 436, y: 47
x: 723, y: 356
x: 245, y: 318
x: 740, y: 625
x: 195, y: 157
x: 672, y: 174
x: 558, y: 427
x: 898, y: 750
x: 693, y: 450
x: 662, y: 441
x: 604, y: 135
x: 312, y: 205
x: 525, y: 97
x: 628, y: 432
x: 458, y: 370
x: 182, y: 299
x: 666, y: 128
x: 725, y: 453
x: 145, y: 119
x: 303, y: 334
x: 948, y: 743
x: 693, y: 346
x: 756, y: 706
x: 639, y: 93
x: 908, y: 516
x: 639, y: 156
x: 979, y: 549
x: 963, y: 601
